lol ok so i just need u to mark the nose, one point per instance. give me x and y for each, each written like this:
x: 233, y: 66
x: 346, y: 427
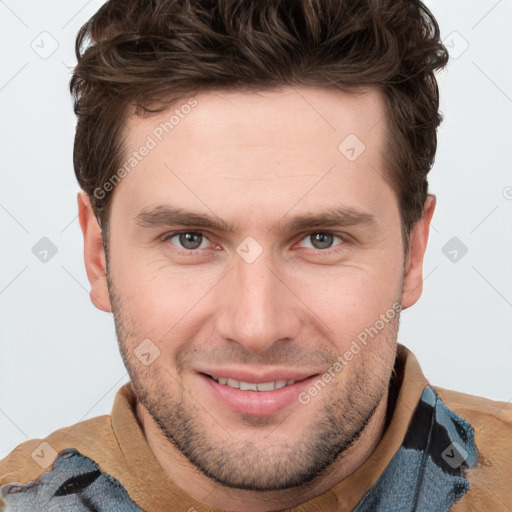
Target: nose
x: 257, y: 308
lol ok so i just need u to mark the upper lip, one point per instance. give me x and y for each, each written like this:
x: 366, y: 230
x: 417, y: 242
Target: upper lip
x: 255, y: 376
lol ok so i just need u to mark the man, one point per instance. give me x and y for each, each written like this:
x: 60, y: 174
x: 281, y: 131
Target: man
x: 255, y: 213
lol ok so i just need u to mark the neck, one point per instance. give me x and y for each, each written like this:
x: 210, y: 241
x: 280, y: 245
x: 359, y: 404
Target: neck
x: 203, y: 489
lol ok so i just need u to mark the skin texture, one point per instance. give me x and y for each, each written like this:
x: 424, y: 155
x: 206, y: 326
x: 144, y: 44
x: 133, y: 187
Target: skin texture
x: 252, y: 160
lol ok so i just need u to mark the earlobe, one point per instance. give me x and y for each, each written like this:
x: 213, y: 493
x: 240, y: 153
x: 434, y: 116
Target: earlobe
x: 94, y: 254
x: 413, y: 279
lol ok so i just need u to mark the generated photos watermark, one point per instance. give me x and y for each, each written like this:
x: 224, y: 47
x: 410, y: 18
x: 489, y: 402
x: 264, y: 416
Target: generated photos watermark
x: 355, y: 348
x: 151, y: 142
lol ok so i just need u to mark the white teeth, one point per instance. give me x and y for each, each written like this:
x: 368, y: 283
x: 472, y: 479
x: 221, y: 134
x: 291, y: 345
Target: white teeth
x: 233, y: 383
x: 280, y: 384
x: 266, y: 386
x: 251, y: 386
x: 248, y: 386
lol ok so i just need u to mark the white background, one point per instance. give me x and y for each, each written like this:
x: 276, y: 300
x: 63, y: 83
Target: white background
x: 59, y: 361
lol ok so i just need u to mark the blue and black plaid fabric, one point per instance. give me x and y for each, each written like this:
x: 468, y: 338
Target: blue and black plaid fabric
x: 427, y: 472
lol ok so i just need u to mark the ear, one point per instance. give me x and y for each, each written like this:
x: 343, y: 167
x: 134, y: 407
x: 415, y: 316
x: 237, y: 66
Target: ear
x: 94, y: 254
x: 413, y: 279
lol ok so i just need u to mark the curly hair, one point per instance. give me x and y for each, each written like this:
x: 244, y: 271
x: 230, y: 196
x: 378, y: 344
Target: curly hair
x: 136, y: 57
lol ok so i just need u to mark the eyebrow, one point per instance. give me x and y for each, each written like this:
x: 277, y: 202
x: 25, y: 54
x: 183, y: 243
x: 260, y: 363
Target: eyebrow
x: 167, y: 215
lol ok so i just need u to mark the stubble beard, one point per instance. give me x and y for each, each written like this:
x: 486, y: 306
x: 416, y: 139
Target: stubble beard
x: 274, y: 464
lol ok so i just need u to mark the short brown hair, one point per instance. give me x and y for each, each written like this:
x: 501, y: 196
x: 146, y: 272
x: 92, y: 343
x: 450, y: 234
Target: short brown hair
x: 133, y: 53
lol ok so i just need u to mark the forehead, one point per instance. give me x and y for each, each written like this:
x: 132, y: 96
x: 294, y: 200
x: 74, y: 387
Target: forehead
x: 308, y: 113
x: 264, y: 148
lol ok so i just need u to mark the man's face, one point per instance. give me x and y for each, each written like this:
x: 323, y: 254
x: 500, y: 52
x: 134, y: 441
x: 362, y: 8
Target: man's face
x: 270, y: 301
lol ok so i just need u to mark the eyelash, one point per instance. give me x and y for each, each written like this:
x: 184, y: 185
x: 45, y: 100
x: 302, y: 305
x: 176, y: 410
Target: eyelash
x: 335, y: 249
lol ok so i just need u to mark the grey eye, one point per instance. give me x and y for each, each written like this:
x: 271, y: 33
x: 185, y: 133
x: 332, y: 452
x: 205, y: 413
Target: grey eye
x: 190, y: 240
x: 322, y: 240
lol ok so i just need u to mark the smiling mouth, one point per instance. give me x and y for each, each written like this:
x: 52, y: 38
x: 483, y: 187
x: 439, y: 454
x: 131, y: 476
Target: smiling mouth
x: 253, y: 386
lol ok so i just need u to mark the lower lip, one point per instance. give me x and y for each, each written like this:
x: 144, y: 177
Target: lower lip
x: 257, y: 403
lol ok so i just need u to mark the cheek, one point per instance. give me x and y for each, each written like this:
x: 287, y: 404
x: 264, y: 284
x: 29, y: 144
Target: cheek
x: 157, y: 301
x: 347, y: 300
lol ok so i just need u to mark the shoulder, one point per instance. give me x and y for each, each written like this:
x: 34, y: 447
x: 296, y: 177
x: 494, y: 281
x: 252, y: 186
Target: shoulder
x: 31, y: 458
x: 477, y: 406
x: 491, y: 422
